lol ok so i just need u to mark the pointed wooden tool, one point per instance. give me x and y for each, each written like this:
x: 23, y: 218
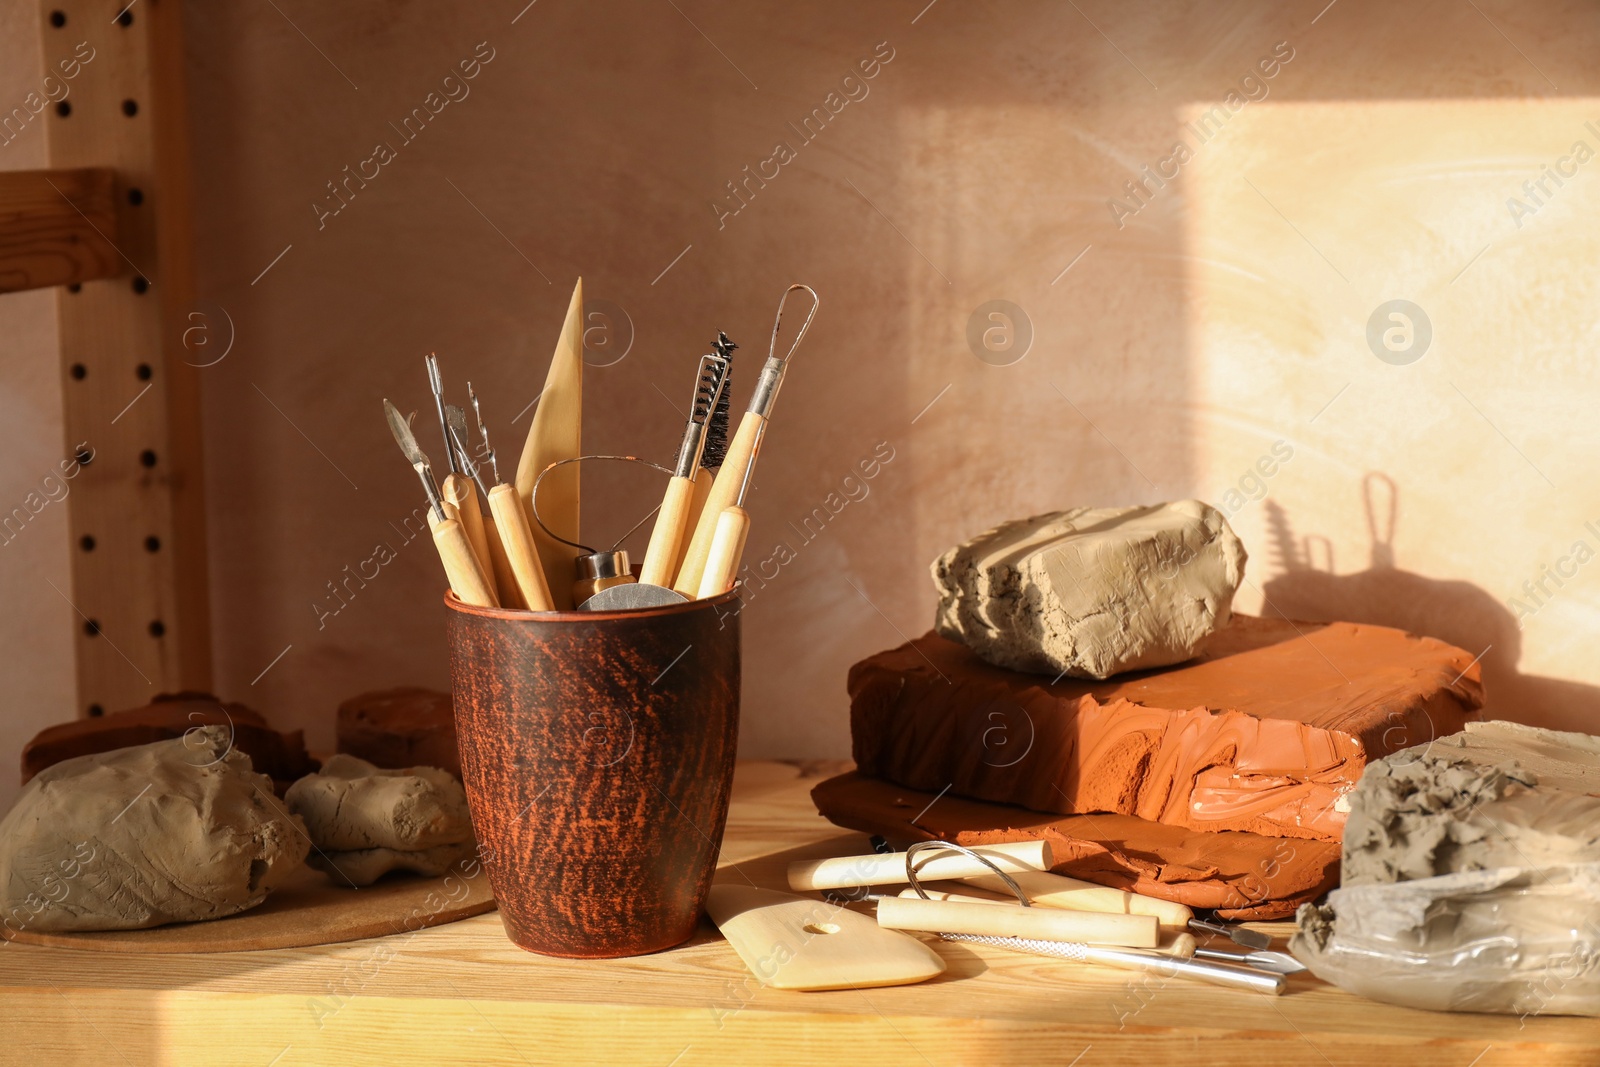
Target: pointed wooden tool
x: 791, y: 942
x: 557, y: 433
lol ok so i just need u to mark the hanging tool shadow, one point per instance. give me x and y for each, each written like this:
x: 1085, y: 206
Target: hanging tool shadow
x: 1459, y: 612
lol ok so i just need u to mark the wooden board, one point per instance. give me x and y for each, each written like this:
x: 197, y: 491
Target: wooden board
x: 57, y: 227
x: 308, y: 910
x: 463, y: 993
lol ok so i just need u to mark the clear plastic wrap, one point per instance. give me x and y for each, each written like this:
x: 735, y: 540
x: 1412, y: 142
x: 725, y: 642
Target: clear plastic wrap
x: 1513, y: 940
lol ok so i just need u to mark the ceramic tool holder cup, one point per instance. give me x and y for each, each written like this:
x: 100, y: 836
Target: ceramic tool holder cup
x: 597, y: 750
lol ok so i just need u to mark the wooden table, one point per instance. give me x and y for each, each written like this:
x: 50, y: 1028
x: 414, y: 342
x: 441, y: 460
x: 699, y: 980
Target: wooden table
x: 461, y: 994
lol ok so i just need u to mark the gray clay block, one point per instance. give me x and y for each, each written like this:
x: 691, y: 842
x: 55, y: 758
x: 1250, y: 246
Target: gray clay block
x: 1091, y: 592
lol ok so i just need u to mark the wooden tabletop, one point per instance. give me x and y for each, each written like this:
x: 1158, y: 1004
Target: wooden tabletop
x: 462, y: 994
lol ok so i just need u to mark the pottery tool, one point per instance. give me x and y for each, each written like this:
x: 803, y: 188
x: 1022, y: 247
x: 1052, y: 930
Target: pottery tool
x: 791, y: 942
x: 509, y: 524
x: 505, y: 578
x: 727, y: 540
x: 1239, y: 935
x: 715, y: 451
x: 1261, y: 960
x: 461, y: 567
x: 459, y: 487
x: 1046, y: 924
x: 1134, y: 960
x: 735, y: 470
x: 890, y: 868
x: 555, y: 434
x: 667, y: 535
x: 1172, y: 943
x: 1057, y: 891
x: 605, y: 579
x: 436, y: 385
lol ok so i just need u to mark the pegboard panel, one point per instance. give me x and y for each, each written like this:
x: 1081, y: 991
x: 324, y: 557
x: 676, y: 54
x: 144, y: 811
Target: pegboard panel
x: 130, y: 399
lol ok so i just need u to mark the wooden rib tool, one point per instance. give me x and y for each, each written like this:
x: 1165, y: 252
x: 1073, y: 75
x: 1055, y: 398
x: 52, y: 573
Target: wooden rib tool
x: 556, y: 433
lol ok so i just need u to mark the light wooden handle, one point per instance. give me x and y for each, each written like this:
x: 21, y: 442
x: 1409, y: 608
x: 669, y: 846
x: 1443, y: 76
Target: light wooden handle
x: 467, y: 579
x: 702, y: 491
x: 724, y: 494
x: 667, y: 536
x: 727, y: 548
x: 459, y: 490
x: 1045, y: 924
x: 890, y: 868
x: 505, y: 582
x: 512, y: 522
x: 1057, y: 891
x: 1173, y: 942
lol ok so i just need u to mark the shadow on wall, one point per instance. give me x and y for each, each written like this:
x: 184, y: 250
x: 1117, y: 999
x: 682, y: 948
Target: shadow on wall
x: 1461, y: 613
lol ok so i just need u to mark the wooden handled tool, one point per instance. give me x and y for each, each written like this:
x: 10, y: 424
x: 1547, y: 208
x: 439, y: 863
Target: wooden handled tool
x: 734, y: 475
x: 1057, y: 891
x: 662, y: 553
x: 459, y: 485
x: 1173, y: 942
x: 727, y: 540
x: 467, y: 578
x: 556, y: 433
x: 727, y: 547
x: 521, y: 554
x: 791, y: 942
x: 461, y: 567
x: 714, y: 452
x: 666, y: 538
x: 890, y: 868
x: 505, y: 581
x: 459, y: 490
x: 697, y: 506
x: 724, y: 494
x: 1045, y: 924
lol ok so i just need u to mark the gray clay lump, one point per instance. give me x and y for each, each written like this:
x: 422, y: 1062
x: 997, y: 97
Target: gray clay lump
x: 1091, y: 592
x: 367, y: 821
x: 175, y: 831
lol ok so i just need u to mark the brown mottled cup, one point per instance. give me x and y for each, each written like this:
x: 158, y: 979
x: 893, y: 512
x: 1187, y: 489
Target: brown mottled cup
x: 597, y: 749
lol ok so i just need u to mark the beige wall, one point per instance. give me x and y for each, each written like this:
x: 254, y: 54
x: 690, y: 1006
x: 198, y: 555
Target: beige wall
x: 1177, y: 351
x: 36, y: 629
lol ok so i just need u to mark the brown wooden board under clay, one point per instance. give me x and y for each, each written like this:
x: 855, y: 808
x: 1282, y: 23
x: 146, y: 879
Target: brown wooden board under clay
x: 308, y: 910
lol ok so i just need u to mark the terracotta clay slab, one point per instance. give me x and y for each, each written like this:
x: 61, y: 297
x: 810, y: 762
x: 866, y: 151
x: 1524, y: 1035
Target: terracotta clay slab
x: 308, y: 910
x: 1262, y: 732
x: 1240, y: 875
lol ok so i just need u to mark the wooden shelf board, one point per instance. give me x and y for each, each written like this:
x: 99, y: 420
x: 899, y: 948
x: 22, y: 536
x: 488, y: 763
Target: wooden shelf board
x: 464, y: 991
x: 57, y: 227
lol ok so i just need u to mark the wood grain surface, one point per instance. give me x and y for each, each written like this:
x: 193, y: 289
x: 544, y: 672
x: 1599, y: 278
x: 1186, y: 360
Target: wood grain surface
x: 310, y: 909
x: 57, y: 227
x: 464, y: 994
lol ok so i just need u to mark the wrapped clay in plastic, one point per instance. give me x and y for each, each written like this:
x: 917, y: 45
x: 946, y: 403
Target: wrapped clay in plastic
x: 1513, y: 940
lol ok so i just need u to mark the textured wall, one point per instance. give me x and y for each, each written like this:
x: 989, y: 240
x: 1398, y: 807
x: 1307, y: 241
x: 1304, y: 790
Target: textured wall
x: 1200, y: 323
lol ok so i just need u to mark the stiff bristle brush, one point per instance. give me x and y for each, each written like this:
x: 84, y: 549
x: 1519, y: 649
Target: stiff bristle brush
x: 671, y: 520
x: 716, y: 449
